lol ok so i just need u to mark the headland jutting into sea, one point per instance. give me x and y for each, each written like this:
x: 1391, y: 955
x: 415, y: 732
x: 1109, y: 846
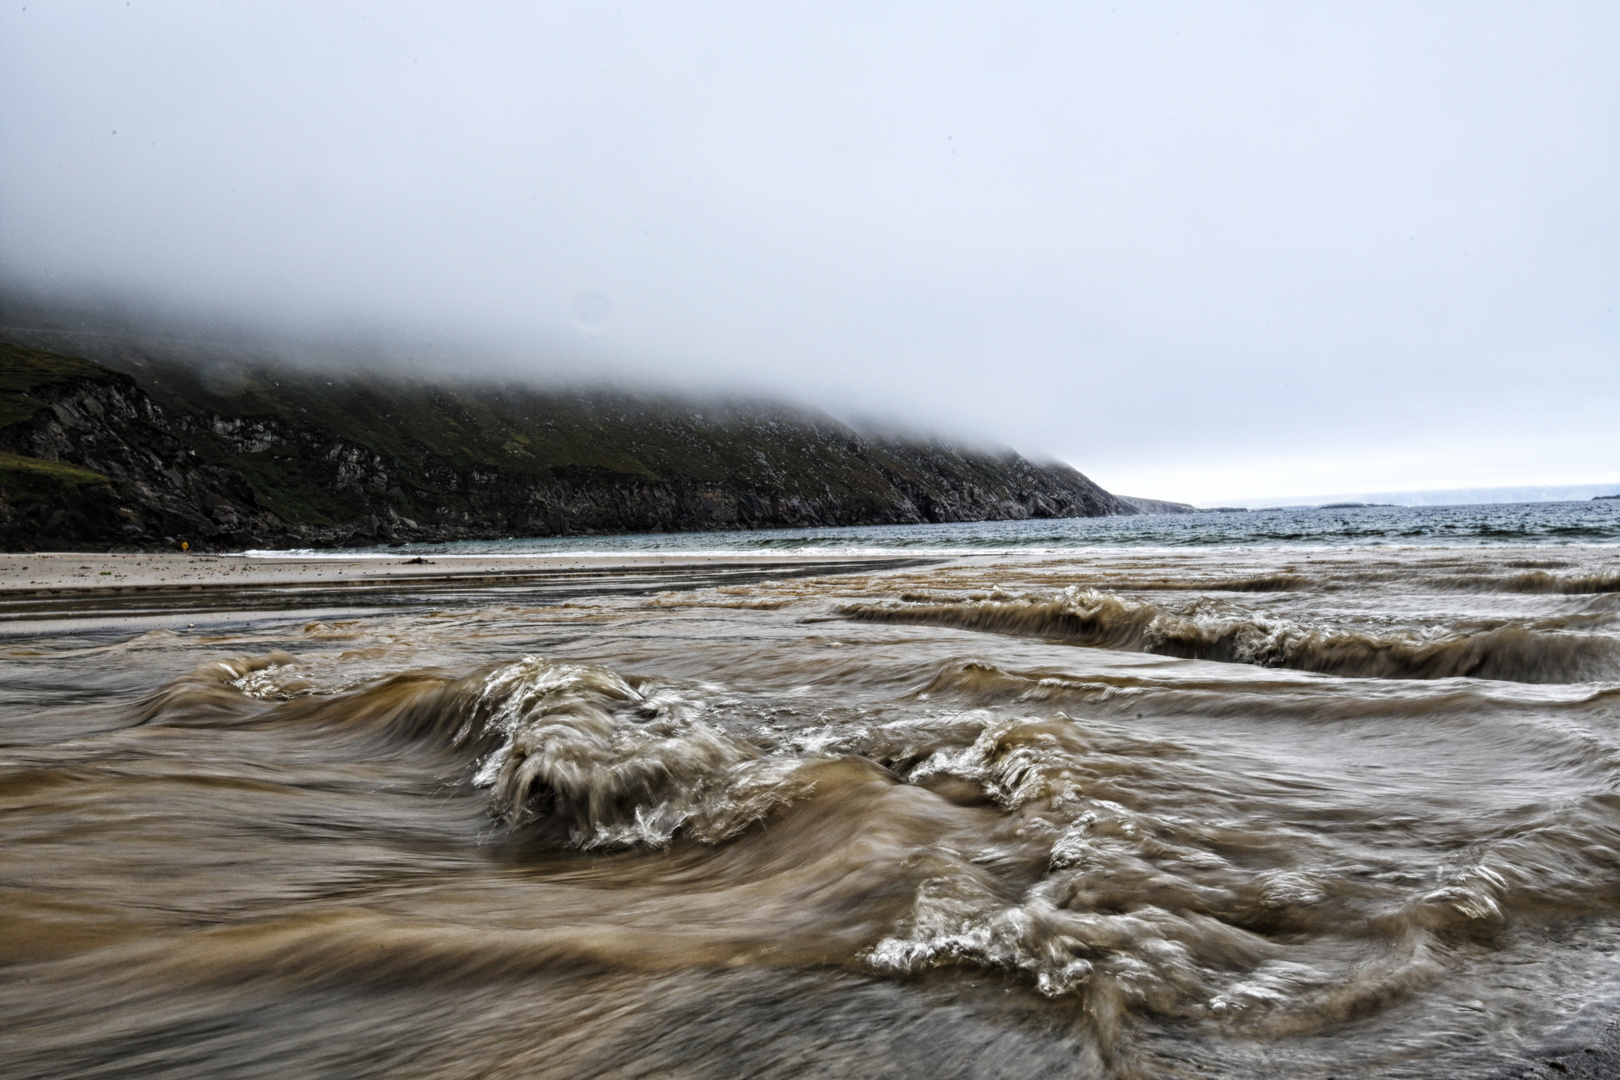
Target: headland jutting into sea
x: 233, y: 454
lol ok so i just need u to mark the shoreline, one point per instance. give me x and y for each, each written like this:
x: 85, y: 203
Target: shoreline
x: 70, y: 583
x: 44, y: 594
x: 56, y: 573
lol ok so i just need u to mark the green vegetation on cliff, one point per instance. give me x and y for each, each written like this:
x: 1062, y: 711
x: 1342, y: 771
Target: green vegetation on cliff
x: 236, y: 453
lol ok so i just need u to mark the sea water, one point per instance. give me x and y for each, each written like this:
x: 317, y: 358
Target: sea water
x: 1290, y: 794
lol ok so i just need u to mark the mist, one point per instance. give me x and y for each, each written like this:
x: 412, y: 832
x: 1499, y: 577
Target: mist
x: 1198, y: 253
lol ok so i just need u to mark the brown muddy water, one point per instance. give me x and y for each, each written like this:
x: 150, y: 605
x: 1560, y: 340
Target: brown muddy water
x: 1218, y: 812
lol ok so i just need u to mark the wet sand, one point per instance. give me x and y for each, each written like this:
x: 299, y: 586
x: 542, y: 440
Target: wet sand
x: 78, y: 592
x: 56, y: 572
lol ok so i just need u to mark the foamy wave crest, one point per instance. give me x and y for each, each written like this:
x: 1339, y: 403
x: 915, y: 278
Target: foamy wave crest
x: 1140, y: 910
x: 574, y: 753
x: 616, y: 765
x: 214, y: 691
x: 1214, y: 630
x: 1135, y: 911
x: 1130, y: 875
x: 1540, y: 581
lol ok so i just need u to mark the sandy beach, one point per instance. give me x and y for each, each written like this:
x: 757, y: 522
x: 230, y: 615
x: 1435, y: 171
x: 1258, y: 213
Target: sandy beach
x: 57, y: 573
x: 74, y: 592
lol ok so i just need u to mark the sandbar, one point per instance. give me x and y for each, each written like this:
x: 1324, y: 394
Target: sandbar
x: 59, y: 574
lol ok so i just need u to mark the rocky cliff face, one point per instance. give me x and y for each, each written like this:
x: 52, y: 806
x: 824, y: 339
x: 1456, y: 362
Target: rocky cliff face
x: 1157, y: 506
x: 87, y: 459
x: 157, y: 454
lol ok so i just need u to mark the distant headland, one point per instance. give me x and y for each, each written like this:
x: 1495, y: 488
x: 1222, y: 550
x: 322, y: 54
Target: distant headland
x: 139, y: 451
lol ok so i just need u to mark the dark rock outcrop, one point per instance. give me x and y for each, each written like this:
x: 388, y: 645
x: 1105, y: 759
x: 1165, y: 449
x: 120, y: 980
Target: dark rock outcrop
x: 152, y: 455
x: 1157, y: 506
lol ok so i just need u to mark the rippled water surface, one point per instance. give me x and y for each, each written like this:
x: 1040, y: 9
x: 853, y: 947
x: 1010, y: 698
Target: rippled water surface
x: 1259, y: 807
x: 1593, y: 521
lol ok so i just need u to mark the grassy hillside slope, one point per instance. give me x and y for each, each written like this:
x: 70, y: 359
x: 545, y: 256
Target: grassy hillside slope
x: 266, y: 454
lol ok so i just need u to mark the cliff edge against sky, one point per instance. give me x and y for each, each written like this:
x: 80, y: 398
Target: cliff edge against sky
x: 239, y: 455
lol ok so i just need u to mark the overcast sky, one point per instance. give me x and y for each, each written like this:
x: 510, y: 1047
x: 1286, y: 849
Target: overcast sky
x: 1200, y: 251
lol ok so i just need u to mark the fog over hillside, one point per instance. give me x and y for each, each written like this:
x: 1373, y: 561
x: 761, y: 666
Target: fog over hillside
x: 1197, y: 252
x: 144, y: 449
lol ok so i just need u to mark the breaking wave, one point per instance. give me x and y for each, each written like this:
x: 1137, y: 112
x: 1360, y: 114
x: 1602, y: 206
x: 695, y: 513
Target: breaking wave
x: 1051, y: 849
x: 574, y: 752
x: 617, y: 766
x: 1212, y: 630
x: 1540, y: 581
